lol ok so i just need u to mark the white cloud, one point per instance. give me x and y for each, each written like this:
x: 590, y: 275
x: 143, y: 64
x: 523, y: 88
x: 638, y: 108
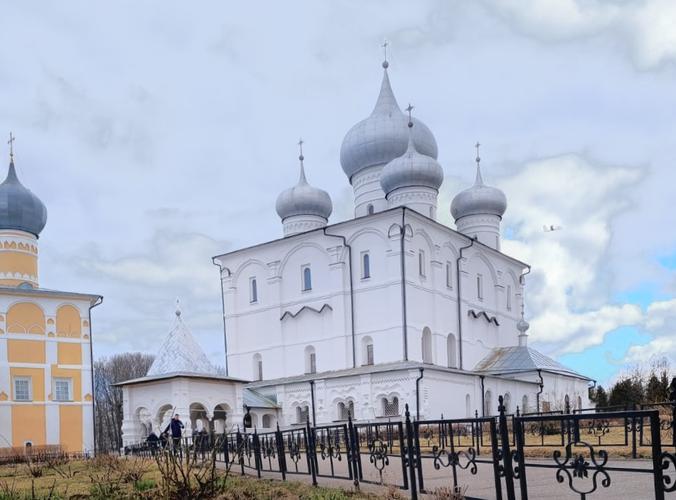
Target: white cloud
x: 660, y: 322
x: 569, y: 290
x: 646, y: 26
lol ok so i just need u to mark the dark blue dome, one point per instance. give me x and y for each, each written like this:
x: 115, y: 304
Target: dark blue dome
x: 19, y: 208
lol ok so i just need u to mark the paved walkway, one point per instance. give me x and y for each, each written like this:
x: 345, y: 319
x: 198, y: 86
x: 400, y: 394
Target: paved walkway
x: 542, y: 482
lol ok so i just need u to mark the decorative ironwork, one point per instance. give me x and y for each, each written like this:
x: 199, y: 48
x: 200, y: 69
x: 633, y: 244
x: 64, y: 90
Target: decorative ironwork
x: 379, y: 455
x: 445, y: 458
x: 668, y: 464
x: 576, y: 466
x: 516, y: 460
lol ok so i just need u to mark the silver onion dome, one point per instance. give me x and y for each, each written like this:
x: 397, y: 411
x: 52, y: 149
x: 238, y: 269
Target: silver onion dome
x: 479, y: 199
x: 383, y: 136
x: 19, y: 208
x: 303, y: 199
x: 411, y: 169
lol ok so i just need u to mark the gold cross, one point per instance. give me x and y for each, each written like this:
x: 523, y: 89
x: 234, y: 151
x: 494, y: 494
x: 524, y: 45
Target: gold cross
x: 11, y: 146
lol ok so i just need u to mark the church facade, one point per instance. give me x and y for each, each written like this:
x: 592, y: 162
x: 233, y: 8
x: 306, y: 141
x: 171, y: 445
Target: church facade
x: 46, y: 395
x: 390, y: 307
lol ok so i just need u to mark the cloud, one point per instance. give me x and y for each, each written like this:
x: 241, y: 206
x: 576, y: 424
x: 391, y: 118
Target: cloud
x: 660, y: 322
x: 646, y: 27
x: 569, y: 289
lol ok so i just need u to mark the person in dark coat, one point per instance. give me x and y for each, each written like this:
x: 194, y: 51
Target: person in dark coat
x: 176, y: 427
x: 153, y: 442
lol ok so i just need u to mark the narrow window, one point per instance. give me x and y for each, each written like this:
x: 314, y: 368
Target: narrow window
x: 369, y: 209
x: 369, y: 354
x: 22, y: 389
x: 449, y: 275
x: 421, y: 263
x: 307, y: 278
x: 509, y: 298
x: 365, y: 265
x: 258, y: 367
x: 479, y: 287
x: 310, y: 360
x: 391, y: 408
x: 427, y: 345
x: 253, y: 290
x: 62, y: 389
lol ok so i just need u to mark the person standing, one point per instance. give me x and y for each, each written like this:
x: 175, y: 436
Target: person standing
x: 176, y: 427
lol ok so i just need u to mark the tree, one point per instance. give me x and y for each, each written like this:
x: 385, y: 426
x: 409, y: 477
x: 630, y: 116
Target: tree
x: 600, y: 397
x: 657, y: 389
x: 108, y: 397
x: 627, y: 392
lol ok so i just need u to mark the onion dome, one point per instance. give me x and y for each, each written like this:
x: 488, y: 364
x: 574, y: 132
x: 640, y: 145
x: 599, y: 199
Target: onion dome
x: 382, y: 136
x: 479, y: 199
x: 411, y: 169
x: 303, y: 199
x: 19, y: 208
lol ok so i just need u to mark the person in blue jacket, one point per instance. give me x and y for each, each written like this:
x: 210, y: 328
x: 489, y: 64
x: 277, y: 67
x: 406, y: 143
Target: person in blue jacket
x: 176, y: 427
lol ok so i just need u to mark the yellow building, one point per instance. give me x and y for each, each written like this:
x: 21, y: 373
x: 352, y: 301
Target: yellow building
x: 46, y: 395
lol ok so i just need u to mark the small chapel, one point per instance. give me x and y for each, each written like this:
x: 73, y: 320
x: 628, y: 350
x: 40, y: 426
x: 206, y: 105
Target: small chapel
x: 362, y: 316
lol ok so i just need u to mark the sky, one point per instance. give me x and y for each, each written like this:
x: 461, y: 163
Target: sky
x: 159, y: 134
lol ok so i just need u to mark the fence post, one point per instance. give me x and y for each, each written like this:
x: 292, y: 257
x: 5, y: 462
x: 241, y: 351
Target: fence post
x: 281, y: 454
x: 257, y: 453
x: 240, y: 449
x: 656, y: 443
x: 352, y: 452
x: 311, y: 451
x: 411, y: 456
x: 507, y: 469
x: 479, y: 432
x: 521, y: 459
x: 672, y: 398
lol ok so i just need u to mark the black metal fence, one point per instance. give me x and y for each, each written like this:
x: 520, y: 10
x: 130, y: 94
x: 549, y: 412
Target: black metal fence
x: 581, y: 453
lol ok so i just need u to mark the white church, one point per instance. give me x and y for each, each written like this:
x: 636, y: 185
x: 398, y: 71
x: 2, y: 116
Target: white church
x: 365, y: 315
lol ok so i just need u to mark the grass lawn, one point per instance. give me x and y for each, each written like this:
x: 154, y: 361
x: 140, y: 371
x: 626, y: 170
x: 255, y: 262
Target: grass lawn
x: 120, y: 478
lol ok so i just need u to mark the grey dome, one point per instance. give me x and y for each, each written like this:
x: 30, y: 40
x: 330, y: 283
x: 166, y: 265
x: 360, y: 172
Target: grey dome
x: 383, y: 136
x: 479, y: 199
x: 304, y: 199
x: 411, y: 169
x: 19, y: 208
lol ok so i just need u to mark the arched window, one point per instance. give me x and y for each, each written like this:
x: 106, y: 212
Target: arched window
x: 507, y: 402
x: 302, y: 414
x: 369, y: 209
x: 479, y: 287
x: 509, y: 298
x: 365, y: 265
x: 449, y: 275
x: 307, y: 278
x: 258, y: 367
x: 267, y: 421
x: 368, y: 357
x: 566, y: 403
x: 310, y: 360
x: 488, y: 403
x: 468, y: 406
x: 421, y: 263
x: 579, y: 402
x: 427, y: 345
x: 524, y: 404
x: 451, y: 348
x: 345, y: 410
x: 390, y: 407
x: 253, y: 290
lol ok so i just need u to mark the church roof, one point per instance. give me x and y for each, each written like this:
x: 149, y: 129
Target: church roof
x: 518, y: 359
x: 180, y: 353
x: 19, y: 207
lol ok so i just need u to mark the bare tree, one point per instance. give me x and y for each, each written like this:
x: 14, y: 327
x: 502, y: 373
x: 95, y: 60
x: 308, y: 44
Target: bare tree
x: 108, y: 397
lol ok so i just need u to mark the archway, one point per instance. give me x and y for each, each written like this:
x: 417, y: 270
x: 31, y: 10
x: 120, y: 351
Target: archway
x: 220, y: 419
x: 199, y: 420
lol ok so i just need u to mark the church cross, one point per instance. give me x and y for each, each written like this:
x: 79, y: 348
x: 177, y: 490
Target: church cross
x: 384, y: 46
x: 300, y: 147
x: 409, y: 109
x: 12, y: 138
x: 478, y: 158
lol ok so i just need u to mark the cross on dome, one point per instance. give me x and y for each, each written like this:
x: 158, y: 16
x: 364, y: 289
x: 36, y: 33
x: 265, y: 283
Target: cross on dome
x: 12, y: 138
x: 384, y: 46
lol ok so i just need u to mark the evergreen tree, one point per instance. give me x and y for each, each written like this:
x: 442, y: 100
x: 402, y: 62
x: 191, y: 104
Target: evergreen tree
x: 627, y: 392
x: 657, y: 389
x: 600, y: 397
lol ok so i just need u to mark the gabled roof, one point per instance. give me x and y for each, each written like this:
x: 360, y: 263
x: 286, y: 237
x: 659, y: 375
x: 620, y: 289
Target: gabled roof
x: 254, y: 399
x: 519, y: 359
x: 180, y: 353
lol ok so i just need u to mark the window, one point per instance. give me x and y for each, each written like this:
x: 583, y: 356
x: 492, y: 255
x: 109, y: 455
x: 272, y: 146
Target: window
x: 479, y: 287
x: 267, y: 421
x: 509, y: 298
x: 22, y: 389
x: 307, y: 278
x: 488, y: 404
x: 426, y: 345
x: 258, y: 367
x: 365, y: 265
x: 451, y: 348
x: 302, y: 414
x: 310, y: 360
x: 63, y: 389
x: 367, y: 351
x: 524, y: 404
x: 369, y: 209
x: 345, y: 411
x: 449, y: 275
x: 253, y: 290
x: 390, y: 407
x: 421, y: 263
x: 468, y: 406
x: 507, y: 403
x: 579, y: 402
